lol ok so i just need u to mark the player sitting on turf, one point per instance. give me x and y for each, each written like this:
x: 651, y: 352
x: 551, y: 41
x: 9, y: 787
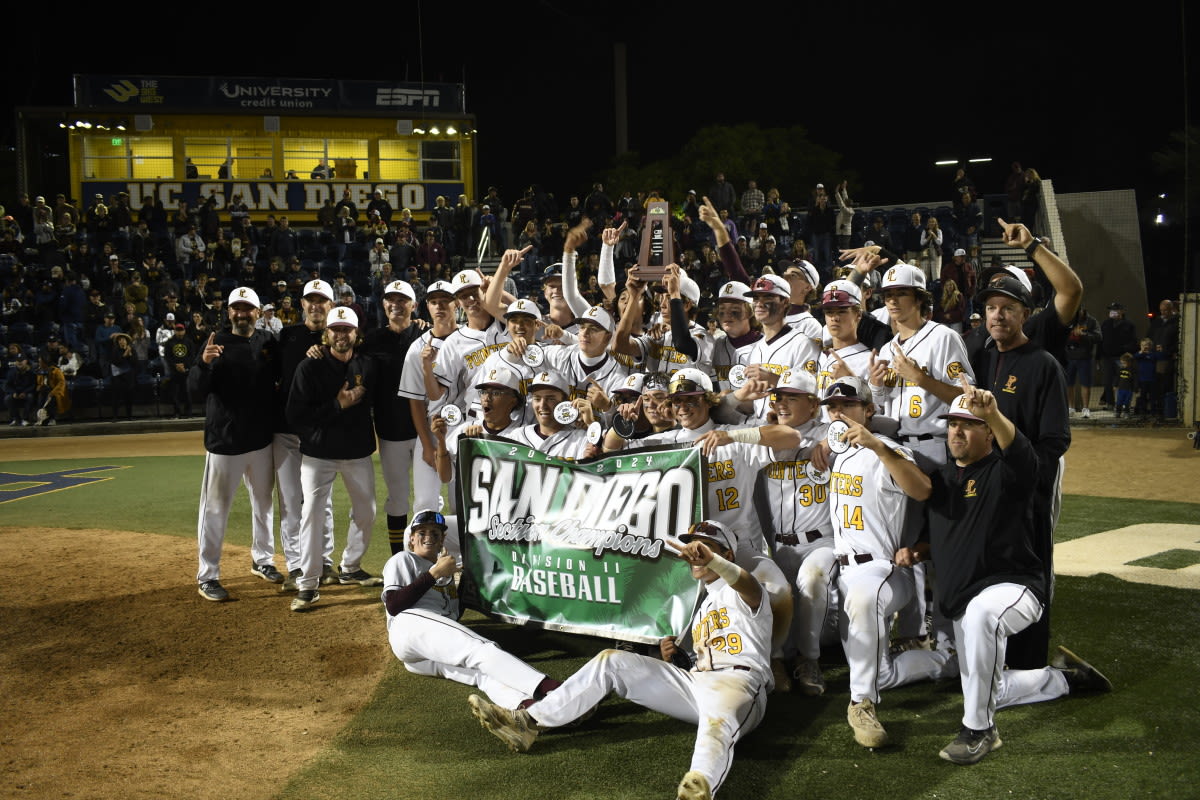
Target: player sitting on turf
x: 990, y: 583
x: 422, y: 620
x: 724, y: 692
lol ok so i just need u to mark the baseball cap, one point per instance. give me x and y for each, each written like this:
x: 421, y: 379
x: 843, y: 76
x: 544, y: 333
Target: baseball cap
x: 400, y: 287
x: 711, y: 530
x: 439, y: 287
x: 733, y: 290
x: 804, y: 269
x: 555, y: 270
x: 632, y: 384
x: 467, y: 279
x: 500, y: 378
x: 797, y: 381
x: 1007, y: 285
x: 841, y: 294
x: 244, y: 294
x: 960, y: 252
x: 318, y: 287
x: 690, y: 381
x: 378, y: 241
x: 429, y: 517
x: 548, y: 380
x: 851, y: 387
x: 903, y: 276
x: 597, y: 315
x: 762, y: 226
x: 770, y: 285
x: 342, y: 316
x: 268, y: 307
x: 689, y: 289
x: 170, y: 317
x: 959, y: 410
x: 526, y: 308
x: 1016, y: 272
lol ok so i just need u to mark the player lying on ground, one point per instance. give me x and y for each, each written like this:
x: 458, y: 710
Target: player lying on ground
x: 723, y: 692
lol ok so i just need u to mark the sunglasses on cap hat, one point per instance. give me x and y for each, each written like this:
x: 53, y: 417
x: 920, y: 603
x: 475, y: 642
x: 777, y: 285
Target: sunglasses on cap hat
x: 707, y: 530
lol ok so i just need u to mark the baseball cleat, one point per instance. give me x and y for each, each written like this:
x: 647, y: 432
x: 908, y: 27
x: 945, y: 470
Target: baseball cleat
x: 267, y: 572
x: 970, y: 746
x: 329, y: 576
x: 289, y: 583
x: 867, y: 730
x: 305, y: 599
x: 1081, y: 676
x: 515, y: 728
x: 213, y: 590
x: 808, y: 677
x: 694, y: 786
x: 359, y: 576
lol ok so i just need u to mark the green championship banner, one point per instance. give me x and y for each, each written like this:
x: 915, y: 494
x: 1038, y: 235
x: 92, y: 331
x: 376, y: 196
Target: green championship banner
x: 578, y: 547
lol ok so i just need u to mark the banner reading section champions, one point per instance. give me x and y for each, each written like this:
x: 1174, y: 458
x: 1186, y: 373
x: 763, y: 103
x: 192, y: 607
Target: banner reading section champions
x: 579, y: 547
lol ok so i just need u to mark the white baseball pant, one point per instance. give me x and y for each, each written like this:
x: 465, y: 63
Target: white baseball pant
x: 809, y: 569
x: 221, y: 477
x: 316, y: 481
x: 285, y: 448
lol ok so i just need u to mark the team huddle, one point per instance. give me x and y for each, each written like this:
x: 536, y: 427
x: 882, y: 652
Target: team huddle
x: 855, y: 467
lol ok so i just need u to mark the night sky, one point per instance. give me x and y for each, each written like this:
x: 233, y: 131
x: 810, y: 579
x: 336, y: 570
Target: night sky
x: 1084, y: 98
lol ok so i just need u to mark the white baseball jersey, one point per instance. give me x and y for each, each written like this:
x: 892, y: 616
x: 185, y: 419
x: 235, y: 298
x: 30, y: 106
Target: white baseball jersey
x: 412, y: 380
x: 866, y: 507
x: 462, y: 357
x: 806, y: 323
x: 857, y: 357
x: 524, y: 373
x: 940, y: 352
x: 568, y: 443
x: 789, y: 349
x: 568, y: 362
x: 732, y: 471
x: 403, y: 569
x: 797, y: 504
x: 660, y: 354
x: 727, y: 633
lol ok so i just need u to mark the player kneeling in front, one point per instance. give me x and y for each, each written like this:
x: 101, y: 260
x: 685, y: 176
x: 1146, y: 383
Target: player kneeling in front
x: 990, y: 583
x: 423, y: 629
x: 724, y: 692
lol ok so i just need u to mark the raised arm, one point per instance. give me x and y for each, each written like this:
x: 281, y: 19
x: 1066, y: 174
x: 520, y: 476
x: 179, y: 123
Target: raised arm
x: 1068, y: 288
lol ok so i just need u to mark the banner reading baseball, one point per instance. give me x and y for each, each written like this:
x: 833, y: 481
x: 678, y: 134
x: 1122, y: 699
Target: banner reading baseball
x: 579, y: 547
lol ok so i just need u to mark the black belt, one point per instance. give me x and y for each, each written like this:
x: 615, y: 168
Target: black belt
x: 793, y: 540
x: 922, y: 437
x: 857, y: 558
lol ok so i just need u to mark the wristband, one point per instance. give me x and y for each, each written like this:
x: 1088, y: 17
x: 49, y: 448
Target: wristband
x: 1029, y: 251
x: 745, y: 435
x: 726, y: 570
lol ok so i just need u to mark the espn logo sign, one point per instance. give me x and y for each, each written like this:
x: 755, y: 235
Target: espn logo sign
x: 391, y: 96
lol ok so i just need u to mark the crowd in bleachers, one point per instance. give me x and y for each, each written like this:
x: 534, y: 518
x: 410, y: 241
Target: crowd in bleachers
x: 98, y: 288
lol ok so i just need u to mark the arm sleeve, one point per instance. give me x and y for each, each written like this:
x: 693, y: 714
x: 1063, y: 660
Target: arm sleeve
x: 681, y: 332
x: 404, y: 598
x: 570, y: 285
x: 608, y: 270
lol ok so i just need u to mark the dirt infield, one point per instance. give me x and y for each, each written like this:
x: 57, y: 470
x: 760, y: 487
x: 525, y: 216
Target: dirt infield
x: 116, y: 679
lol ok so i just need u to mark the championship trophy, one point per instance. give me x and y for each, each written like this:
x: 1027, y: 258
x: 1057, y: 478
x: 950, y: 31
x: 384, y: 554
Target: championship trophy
x: 658, y: 242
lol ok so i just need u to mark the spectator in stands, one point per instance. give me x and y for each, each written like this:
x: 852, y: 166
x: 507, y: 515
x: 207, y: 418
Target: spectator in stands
x: 1117, y: 337
x: 1031, y: 199
x: 287, y: 312
x: 951, y: 308
x: 379, y: 257
x: 380, y: 206
x: 931, y: 250
x: 959, y: 270
x: 845, y: 216
x: 123, y: 369
x: 268, y: 321
x: 1014, y: 188
x: 722, y: 196
x: 968, y: 219
x: 963, y: 187
x: 531, y: 264
x: 52, y: 394
x: 913, y: 239
x: 1081, y: 364
x: 431, y: 255
x: 284, y: 243
x: 821, y: 223
x: 20, y: 392
x: 752, y: 204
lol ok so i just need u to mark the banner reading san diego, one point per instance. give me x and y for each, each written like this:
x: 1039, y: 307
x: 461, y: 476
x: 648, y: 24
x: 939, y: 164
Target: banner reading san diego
x: 579, y: 547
